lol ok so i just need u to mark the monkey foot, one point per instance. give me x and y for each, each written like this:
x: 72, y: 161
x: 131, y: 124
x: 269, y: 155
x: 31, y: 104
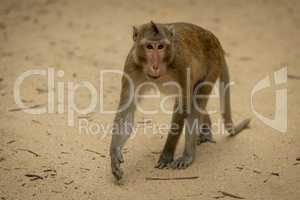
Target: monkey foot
x: 202, y: 138
x: 164, y: 160
x: 182, y: 162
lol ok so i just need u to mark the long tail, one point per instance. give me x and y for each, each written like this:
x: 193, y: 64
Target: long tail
x: 224, y: 88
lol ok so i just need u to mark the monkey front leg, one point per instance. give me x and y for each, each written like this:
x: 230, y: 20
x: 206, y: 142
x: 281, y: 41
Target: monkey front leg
x: 122, y: 129
x: 177, y: 123
x: 192, y: 124
x: 191, y: 129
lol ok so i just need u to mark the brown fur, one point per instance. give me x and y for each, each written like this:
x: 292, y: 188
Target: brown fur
x: 192, y: 47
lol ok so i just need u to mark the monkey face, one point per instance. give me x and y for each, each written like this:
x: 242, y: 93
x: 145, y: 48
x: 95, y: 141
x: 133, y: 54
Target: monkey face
x: 155, y: 64
x: 153, y: 49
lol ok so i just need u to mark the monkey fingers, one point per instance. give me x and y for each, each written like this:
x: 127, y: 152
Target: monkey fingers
x: 182, y: 162
x: 116, y: 160
x: 164, y: 160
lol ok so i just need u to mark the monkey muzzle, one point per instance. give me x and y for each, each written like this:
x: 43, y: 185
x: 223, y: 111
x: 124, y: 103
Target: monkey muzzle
x: 153, y: 77
x: 154, y: 72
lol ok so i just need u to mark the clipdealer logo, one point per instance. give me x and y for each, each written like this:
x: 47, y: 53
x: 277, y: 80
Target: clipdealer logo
x: 56, y: 91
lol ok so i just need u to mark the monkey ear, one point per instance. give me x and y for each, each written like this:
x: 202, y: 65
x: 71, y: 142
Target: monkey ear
x: 154, y: 26
x: 171, y: 29
x: 134, y: 33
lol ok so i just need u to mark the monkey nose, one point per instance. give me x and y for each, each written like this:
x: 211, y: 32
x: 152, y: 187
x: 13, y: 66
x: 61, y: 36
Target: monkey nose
x: 155, y: 67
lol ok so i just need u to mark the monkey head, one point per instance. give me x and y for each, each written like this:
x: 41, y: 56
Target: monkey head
x: 153, y: 48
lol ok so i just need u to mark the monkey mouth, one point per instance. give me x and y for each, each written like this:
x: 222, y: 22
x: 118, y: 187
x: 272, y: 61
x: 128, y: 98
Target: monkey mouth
x: 153, y: 77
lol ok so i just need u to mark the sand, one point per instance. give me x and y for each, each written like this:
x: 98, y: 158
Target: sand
x: 42, y: 157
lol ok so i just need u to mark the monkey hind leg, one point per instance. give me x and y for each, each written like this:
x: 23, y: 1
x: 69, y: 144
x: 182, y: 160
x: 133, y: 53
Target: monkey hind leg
x: 205, y: 134
x: 234, y: 130
x: 205, y: 137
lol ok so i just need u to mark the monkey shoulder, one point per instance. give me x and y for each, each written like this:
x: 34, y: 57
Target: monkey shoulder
x: 197, y: 34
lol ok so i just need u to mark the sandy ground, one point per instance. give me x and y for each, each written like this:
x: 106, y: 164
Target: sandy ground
x: 84, y: 37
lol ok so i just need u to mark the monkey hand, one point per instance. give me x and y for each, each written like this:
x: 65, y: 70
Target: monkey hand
x: 116, y: 160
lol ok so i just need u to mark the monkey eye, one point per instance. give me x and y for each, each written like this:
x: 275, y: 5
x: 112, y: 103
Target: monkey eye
x: 160, y: 46
x: 149, y: 46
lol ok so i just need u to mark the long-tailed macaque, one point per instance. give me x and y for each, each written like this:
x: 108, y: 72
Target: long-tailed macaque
x: 193, y: 58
